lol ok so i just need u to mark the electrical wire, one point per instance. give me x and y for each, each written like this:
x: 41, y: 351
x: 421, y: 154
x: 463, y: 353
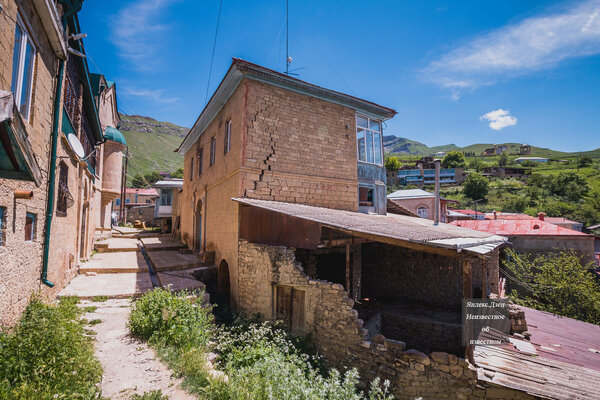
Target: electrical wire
x: 212, y: 58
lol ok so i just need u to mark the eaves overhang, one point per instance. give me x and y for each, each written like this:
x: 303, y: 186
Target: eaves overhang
x: 48, y: 14
x: 240, y: 69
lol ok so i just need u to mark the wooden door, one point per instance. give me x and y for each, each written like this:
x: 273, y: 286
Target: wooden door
x: 290, y: 308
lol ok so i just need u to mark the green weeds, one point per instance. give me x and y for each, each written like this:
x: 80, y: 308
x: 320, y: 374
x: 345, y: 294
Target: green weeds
x: 48, y: 356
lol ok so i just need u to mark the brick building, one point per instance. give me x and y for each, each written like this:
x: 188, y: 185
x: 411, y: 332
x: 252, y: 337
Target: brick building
x: 51, y: 152
x: 273, y: 193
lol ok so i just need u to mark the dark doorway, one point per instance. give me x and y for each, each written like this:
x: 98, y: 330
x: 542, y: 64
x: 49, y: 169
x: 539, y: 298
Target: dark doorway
x: 198, y: 227
x: 332, y: 267
x: 223, y: 283
x: 82, y: 233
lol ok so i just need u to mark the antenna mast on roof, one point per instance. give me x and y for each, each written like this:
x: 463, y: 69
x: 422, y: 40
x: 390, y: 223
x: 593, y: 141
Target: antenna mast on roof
x: 288, y: 59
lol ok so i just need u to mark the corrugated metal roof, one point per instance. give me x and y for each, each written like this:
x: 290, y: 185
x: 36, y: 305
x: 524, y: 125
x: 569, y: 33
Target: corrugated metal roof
x: 510, y: 216
x: 517, y: 227
x: 410, y: 194
x: 560, y: 220
x: 565, y: 367
x: 145, y: 192
x: 392, y: 226
x: 171, y: 183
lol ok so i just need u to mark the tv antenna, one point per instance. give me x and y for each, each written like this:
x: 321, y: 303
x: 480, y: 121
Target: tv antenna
x: 288, y: 58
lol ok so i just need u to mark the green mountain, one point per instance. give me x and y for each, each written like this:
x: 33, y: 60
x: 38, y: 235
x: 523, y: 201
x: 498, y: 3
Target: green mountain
x: 151, y: 144
x: 393, y: 145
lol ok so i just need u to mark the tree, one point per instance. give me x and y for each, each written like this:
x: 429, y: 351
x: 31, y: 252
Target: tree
x: 476, y: 186
x: 138, y: 181
x: 178, y: 174
x: 585, y: 161
x: 476, y: 164
x: 557, y: 283
x: 454, y: 159
x: 515, y: 204
x: 503, y: 160
x: 392, y: 163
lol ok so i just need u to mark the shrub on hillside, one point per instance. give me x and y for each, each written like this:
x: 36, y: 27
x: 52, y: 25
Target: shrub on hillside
x: 557, y: 283
x: 47, y: 355
x: 454, y: 159
x: 476, y: 186
x: 170, y: 318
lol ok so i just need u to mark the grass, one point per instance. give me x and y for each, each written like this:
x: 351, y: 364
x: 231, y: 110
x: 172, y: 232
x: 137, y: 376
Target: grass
x: 260, y: 360
x: 99, y: 299
x: 152, y: 395
x: 89, y: 309
x: 48, y: 355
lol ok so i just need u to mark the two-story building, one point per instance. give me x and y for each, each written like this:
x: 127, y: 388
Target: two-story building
x: 284, y: 188
x: 51, y: 151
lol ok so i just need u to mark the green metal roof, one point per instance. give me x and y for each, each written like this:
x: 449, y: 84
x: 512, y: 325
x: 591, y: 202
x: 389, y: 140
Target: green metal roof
x: 114, y: 135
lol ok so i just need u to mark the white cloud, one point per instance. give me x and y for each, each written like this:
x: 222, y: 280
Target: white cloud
x: 499, y: 119
x: 155, y: 95
x: 533, y: 44
x: 138, y: 34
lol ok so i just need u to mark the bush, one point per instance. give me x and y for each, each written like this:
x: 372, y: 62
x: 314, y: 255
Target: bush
x: 454, y: 159
x: 263, y: 361
x: 48, y: 356
x: 515, y: 205
x: 475, y: 186
x: 163, y: 316
x: 556, y: 283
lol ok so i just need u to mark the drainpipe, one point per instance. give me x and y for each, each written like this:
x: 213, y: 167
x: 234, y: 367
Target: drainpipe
x: 436, y: 206
x: 52, y: 168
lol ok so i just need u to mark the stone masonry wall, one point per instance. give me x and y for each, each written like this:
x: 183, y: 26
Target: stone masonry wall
x: 341, y: 338
x: 20, y: 261
x: 299, y: 149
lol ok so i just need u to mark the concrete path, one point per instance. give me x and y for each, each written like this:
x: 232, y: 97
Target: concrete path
x: 170, y: 260
x: 130, y: 366
x: 116, y: 245
x: 161, y: 243
x: 104, y: 263
x: 116, y: 286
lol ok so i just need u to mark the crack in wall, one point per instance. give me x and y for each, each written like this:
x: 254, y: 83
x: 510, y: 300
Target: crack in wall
x: 265, y: 162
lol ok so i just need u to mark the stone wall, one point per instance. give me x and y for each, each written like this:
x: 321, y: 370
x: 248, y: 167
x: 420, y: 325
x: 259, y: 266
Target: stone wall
x: 299, y: 149
x: 411, y: 276
x: 341, y: 337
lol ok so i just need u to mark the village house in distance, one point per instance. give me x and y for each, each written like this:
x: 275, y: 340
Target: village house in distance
x: 60, y: 151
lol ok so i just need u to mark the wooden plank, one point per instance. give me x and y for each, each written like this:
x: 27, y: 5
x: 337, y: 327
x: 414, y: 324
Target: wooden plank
x: 266, y: 227
x: 298, y: 311
x: 284, y: 304
x: 348, y: 289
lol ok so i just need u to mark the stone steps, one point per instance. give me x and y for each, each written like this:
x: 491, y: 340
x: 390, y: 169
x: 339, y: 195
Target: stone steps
x: 113, y: 286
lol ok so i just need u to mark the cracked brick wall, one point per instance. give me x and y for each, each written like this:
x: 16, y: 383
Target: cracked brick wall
x: 299, y: 149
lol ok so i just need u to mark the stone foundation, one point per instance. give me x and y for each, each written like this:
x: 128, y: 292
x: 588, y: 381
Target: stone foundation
x: 343, y: 338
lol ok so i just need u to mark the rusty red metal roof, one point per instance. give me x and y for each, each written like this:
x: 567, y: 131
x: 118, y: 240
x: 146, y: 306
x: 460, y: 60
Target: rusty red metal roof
x: 510, y: 216
x: 517, y: 227
x: 560, y: 220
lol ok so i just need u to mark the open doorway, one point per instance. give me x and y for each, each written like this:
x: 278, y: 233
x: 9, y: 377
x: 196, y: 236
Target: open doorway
x: 223, y: 282
x: 197, y: 244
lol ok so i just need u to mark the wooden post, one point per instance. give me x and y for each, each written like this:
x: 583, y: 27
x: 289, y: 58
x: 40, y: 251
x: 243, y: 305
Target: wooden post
x: 348, y: 268
x: 467, y: 294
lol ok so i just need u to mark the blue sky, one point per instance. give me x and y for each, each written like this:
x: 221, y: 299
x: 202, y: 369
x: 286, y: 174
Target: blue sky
x: 457, y: 72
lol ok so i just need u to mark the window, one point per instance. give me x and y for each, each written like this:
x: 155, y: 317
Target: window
x: 422, y: 212
x: 127, y: 201
x: 165, y: 197
x: 2, y: 226
x: 213, y: 148
x: 117, y: 201
x: 368, y: 140
x: 63, y: 189
x: 365, y: 196
x: 22, y: 71
x: 192, y: 169
x: 29, y: 227
x: 227, y: 144
x: 200, y: 160
x: 148, y: 201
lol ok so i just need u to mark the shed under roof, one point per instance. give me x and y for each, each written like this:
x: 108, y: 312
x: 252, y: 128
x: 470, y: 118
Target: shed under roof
x: 390, y: 228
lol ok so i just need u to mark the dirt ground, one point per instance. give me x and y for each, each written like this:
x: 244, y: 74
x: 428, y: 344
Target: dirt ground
x: 130, y: 366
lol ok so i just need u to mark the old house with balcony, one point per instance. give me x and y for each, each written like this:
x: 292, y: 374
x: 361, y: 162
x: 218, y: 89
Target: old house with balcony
x: 50, y: 150
x: 274, y: 168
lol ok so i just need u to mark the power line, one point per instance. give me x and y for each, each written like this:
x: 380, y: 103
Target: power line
x: 212, y: 58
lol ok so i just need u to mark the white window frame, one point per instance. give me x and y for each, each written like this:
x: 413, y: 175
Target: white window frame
x: 420, y: 213
x: 25, y: 38
x: 373, y: 132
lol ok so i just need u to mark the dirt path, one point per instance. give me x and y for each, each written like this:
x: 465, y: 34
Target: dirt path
x: 130, y: 366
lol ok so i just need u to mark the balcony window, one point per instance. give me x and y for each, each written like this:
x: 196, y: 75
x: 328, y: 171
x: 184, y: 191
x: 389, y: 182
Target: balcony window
x: 165, y: 197
x: 22, y: 71
x: 368, y: 139
x: 213, y: 149
x: 365, y: 196
x: 422, y: 212
x: 200, y: 160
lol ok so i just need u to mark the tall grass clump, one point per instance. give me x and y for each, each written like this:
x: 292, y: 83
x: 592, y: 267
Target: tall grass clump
x: 48, y: 356
x: 179, y: 327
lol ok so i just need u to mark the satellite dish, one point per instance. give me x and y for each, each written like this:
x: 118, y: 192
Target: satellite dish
x: 76, y: 145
